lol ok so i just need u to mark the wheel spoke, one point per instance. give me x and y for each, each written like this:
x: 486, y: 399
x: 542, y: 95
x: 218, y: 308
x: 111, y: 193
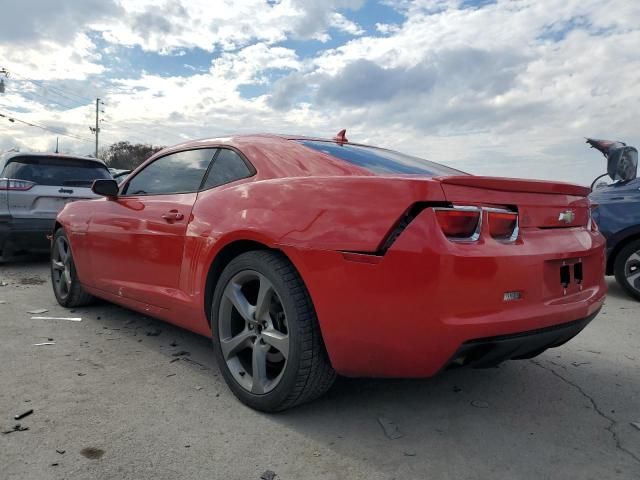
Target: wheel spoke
x: 62, y: 249
x: 633, y: 277
x: 259, y: 369
x: 263, y: 303
x: 237, y: 298
x: 233, y: 345
x: 277, y: 340
x: 57, y: 265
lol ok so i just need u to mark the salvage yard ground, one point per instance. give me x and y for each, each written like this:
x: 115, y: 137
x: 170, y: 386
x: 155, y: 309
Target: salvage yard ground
x: 119, y: 395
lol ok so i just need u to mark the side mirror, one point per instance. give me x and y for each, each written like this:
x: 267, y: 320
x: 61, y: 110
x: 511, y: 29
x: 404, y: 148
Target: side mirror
x: 106, y: 188
x: 622, y: 163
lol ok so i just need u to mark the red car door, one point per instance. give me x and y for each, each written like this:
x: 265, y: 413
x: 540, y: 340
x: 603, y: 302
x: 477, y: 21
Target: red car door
x: 137, y: 240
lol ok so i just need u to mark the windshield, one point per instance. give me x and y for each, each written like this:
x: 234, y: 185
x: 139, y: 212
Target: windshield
x: 54, y: 171
x: 381, y: 161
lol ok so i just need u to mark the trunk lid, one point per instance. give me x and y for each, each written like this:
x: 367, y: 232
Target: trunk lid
x: 540, y: 204
x: 45, y: 201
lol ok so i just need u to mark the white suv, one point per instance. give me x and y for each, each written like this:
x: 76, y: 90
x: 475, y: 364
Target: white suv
x: 33, y: 189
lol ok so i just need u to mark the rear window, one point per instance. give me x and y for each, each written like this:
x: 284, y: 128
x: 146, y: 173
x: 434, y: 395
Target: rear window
x: 55, y: 171
x: 378, y: 160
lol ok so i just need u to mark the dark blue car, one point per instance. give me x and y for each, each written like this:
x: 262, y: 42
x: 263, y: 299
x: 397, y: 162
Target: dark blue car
x: 618, y: 213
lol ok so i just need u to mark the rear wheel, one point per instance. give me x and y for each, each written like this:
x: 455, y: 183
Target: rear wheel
x: 266, y: 335
x: 627, y: 268
x: 66, y: 286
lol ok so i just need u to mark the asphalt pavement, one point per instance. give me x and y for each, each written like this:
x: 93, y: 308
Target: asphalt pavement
x: 122, y: 396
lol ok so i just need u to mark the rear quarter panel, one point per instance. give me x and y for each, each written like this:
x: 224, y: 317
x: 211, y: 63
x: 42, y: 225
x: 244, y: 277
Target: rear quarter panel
x: 329, y: 214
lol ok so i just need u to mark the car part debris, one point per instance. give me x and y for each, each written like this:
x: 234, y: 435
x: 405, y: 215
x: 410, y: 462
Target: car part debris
x: 390, y: 429
x: 71, y: 319
x: 268, y: 475
x: 23, y: 414
x: 61, y: 452
x: 38, y: 311
x: 636, y: 424
x: 16, y: 428
x: 43, y: 343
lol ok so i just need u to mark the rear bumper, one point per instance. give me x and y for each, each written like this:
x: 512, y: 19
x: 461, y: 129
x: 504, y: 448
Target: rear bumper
x: 24, y: 234
x: 489, y: 352
x: 407, y: 313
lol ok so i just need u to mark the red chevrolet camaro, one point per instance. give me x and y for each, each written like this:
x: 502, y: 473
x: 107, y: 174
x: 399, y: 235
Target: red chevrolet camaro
x: 305, y: 258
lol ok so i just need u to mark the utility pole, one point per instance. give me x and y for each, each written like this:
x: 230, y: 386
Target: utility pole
x: 5, y: 72
x: 96, y: 130
x: 97, y: 123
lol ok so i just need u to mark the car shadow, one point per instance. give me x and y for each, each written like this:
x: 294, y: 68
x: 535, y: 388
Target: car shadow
x: 25, y: 259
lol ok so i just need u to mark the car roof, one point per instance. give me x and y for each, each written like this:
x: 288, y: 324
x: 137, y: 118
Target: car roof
x: 280, y: 155
x: 61, y: 156
x: 244, y: 138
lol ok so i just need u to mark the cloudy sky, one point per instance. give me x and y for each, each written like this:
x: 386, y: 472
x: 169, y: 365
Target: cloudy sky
x: 491, y: 87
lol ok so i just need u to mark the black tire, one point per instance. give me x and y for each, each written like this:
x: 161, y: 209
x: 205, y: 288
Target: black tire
x: 307, y: 373
x: 69, y: 294
x: 620, y: 268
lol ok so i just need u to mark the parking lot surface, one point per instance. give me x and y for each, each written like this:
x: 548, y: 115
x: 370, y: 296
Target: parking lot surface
x: 122, y: 396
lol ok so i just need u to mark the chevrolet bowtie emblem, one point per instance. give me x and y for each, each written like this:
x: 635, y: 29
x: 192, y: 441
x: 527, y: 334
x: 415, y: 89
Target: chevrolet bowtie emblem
x: 568, y: 216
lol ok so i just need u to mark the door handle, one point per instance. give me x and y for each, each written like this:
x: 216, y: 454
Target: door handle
x: 172, y: 216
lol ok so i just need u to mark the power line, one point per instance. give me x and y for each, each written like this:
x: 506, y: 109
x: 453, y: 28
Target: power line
x: 52, y: 130
x: 48, y: 100
x: 60, y: 91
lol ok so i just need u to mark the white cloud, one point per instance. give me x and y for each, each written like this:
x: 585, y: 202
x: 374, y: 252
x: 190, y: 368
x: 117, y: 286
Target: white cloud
x: 510, y: 88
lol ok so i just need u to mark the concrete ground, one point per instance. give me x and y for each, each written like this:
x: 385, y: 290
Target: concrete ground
x: 111, y: 401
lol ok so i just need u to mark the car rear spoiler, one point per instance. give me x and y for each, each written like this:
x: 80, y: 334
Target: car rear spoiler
x: 516, y: 185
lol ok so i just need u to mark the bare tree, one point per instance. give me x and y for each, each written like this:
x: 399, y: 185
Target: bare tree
x: 126, y: 155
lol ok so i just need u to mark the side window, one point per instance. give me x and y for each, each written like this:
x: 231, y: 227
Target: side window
x: 227, y: 167
x: 179, y: 172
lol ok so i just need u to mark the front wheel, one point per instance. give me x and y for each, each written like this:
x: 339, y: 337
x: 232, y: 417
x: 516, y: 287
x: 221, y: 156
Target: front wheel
x: 627, y: 268
x: 66, y: 286
x: 266, y: 335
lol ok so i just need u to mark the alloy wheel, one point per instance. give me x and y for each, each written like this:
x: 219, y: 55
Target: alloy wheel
x: 61, y: 267
x: 254, y: 338
x: 632, y: 270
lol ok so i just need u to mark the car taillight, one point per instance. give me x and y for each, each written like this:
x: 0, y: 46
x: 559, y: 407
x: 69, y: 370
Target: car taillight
x: 460, y: 223
x: 13, y: 184
x: 503, y: 225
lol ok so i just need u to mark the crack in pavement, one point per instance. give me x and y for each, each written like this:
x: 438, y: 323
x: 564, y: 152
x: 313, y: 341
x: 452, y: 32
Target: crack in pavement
x: 596, y: 408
